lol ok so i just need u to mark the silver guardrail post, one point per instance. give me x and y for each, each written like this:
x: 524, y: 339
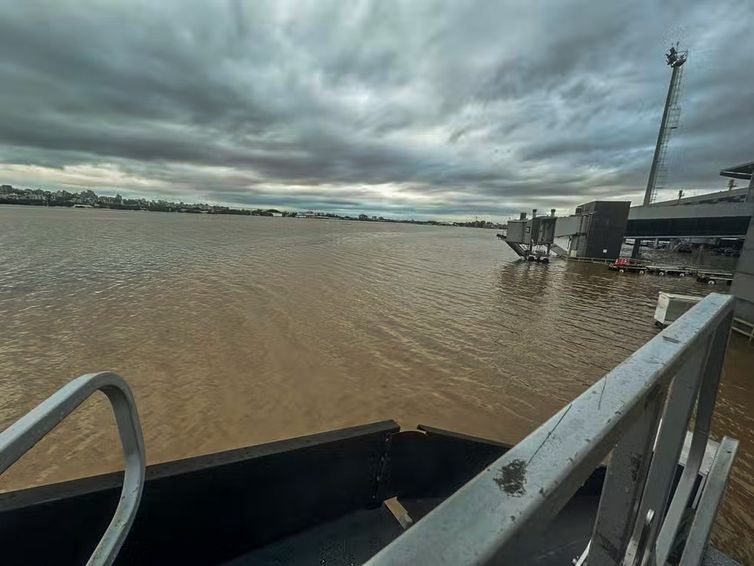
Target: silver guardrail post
x: 705, y: 408
x: 21, y: 436
x: 712, y: 495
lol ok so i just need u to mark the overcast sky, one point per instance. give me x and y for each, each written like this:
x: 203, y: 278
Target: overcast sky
x: 443, y: 109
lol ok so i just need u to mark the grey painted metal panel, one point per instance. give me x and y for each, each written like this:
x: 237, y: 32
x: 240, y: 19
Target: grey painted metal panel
x: 567, y: 225
x: 692, y: 211
x: 703, y: 424
x: 543, y: 229
x: 712, y: 495
x: 672, y: 433
x: 743, y: 286
x: 737, y: 194
x: 623, y: 488
x: 745, y: 309
x: 743, y: 280
x: 745, y: 263
x: 671, y: 306
x: 519, y: 231
x: 703, y: 227
x: 519, y: 494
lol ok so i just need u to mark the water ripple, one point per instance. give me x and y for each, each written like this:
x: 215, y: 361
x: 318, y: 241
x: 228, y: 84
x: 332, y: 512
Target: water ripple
x: 237, y: 330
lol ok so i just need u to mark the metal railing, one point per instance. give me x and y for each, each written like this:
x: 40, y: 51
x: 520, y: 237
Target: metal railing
x: 639, y: 413
x: 743, y: 327
x: 17, y: 439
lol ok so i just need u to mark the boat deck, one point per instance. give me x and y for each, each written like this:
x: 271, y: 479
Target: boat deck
x: 354, y: 539
x: 310, y: 500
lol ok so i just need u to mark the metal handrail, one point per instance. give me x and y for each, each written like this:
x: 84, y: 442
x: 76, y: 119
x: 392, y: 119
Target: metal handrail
x: 741, y: 330
x: 17, y: 439
x: 626, y: 414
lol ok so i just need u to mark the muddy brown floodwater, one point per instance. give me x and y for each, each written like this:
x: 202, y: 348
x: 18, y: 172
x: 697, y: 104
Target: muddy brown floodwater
x: 240, y: 330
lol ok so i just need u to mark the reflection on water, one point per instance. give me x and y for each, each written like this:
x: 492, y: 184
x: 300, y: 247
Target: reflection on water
x: 237, y: 330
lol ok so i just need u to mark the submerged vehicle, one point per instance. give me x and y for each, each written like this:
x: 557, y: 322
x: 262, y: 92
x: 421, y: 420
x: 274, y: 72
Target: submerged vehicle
x: 677, y: 270
x: 623, y: 264
x: 380, y: 495
x: 715, y: 277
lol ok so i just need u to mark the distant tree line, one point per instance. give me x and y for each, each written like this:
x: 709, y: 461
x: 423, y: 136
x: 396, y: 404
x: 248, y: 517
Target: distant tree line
x: 88, y: 198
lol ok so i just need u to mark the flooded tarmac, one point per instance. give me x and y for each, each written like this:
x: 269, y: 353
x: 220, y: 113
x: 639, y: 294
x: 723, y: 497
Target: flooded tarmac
x: 240, y: 330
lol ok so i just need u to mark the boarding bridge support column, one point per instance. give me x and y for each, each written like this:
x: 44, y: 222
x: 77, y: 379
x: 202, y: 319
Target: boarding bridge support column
x: 743, y: 280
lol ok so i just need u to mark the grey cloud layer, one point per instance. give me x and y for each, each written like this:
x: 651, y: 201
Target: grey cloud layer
x: 443, y: 108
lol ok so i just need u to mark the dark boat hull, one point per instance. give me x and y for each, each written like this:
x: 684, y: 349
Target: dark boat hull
x: 289, y: 502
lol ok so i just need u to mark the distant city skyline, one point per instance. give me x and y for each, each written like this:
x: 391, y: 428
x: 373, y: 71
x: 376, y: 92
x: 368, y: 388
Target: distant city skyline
x: 27, y: 196
x: 439, y: 110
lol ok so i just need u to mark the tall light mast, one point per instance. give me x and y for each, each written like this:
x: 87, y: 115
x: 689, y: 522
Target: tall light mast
x: 670, y: 117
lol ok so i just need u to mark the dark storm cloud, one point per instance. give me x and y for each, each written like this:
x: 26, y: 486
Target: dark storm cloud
x: 441, y: 108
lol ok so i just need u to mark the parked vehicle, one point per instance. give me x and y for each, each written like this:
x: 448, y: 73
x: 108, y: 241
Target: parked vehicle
x: 663, y: 270
x: 714, y: 277
x: 623, y: 264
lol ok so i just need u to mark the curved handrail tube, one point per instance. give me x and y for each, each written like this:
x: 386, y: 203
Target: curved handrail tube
x: 22, y: 435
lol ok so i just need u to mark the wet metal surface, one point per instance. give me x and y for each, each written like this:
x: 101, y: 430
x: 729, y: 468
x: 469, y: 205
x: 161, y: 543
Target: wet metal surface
x: 236, y: 331
x: 562, y: 453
